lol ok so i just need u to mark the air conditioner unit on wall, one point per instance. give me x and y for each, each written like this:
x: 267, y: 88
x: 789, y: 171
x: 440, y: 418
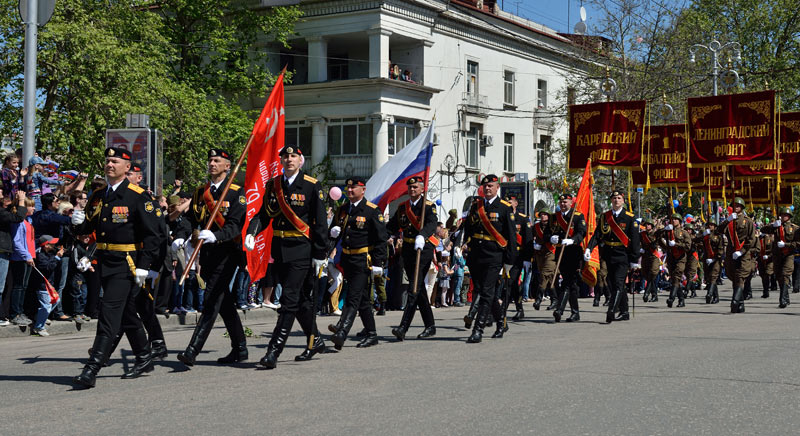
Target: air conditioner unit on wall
x: 486, y: 141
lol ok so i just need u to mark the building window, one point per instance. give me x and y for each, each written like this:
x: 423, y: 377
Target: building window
x: 508, y: 153
x: 542, y: 149
x: 350, y: 136
x: 472, y: 138
x: 541, y: 98
x: 400, y: 134
x: 571, y: 95
x: 472, y: 77
x: 298, y: 133
x: 508, y: 88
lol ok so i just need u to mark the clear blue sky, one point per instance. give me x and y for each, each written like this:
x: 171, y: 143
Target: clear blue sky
x: 551, y: 13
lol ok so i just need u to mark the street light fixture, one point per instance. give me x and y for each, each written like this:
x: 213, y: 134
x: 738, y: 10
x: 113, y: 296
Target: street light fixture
x: 716, y: 48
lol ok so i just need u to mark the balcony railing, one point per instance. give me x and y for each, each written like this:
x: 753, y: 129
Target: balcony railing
x: 352, y: 165
x: 475, y: 103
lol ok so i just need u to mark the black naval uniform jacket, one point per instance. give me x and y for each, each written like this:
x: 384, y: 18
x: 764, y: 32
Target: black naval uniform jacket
x: 400, y: 222
x: 482, y: 246
x: 524, y: 236
x: 559, y: 222
x: 125, y: 216
x: 611, y: 247
x: 363, y: 232
x: 306, y: 198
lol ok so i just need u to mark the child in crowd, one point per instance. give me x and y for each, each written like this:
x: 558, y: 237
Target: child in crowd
x: 35, y: 180
x: 48, y: 260
x: 445, y: 272
x: 82, y: 256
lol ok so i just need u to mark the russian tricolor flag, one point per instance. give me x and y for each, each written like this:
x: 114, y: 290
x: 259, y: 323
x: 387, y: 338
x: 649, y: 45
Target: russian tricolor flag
x: 69, y: 174
x: 414, y: 160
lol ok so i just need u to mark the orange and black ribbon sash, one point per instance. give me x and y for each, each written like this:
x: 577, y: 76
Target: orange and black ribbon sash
x: 649, y: 243
x: 210, y: 204
x: 287, y: 210
x: 616, y: 229
x: 707, y: 245
x: 737, y: 246
x: 540, y: 234
x: 415, y: 221
x: 563, y: 223
x: 487, y: 225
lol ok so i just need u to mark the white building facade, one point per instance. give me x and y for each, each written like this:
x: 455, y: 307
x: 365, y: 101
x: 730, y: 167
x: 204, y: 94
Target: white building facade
x: 495, y: 83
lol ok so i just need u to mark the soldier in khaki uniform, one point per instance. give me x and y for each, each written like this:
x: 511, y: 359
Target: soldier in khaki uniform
x: 787, y: 240
x: 764, y: 261
x: 692, y: 262
x: 676, y: 242
x: 651, y: 262
x: 544, y: 254
x: 713, y: 247
x: 741, y: 239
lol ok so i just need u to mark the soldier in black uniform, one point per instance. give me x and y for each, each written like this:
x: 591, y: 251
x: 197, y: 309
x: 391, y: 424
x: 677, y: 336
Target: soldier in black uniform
x: 362, y: 229
x: 418, y: 237
x: 220, y: 255
x: 618, y: 237
x: 123, y: 217
x: 571, y: 262
x: 294, y: 203
x: 524, y: 237
x: 492, y: 242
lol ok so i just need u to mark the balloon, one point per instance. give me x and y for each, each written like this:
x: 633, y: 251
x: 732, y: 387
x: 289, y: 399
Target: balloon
x: 689, y: 219
x: 719, y: 209
x: 676, y: 203
x: 438, y: 202
x: 791, y: 208
x: 335, y: 193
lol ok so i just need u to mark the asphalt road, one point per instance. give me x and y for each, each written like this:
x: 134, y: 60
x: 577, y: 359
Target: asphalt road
x: 697, y: 370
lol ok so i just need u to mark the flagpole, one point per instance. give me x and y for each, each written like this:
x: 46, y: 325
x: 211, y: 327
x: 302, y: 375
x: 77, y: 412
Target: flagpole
x: 422, y: 219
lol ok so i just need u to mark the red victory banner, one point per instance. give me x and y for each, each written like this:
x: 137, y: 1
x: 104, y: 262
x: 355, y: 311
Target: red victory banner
x: 732, y: 129
x: 788, y: 156
x: 610, y: 134
x: 664, y: 159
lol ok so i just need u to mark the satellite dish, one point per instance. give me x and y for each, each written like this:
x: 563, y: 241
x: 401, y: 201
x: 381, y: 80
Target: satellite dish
x: 44, y: 11
x: 580, y: 28
x: 583, y: 13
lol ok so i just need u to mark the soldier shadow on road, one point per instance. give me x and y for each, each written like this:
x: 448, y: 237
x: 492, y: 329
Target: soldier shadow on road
x: 63, y: 380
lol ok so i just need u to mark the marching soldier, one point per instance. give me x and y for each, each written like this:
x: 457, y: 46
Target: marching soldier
x: 713, y: 253
x: 123, y: 218
x: 294, y: 204
x: 741, y: 238
x: 764, y: 259
x: 220, y: 255
x: 524, y: 237
x: 418, y: 237
x: 569, y: 238
x: 618, y: 239
x: 651, y: 261
x: 692, y: 262
x: 492, y: 242
x: 676, y: 242
x: 787, y: 240
x: 363, y: 233
x: 545, y: 256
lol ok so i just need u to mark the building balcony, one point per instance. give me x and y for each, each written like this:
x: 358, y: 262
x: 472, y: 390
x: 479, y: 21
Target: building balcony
x: 475, y: 104
x: 352, y: 165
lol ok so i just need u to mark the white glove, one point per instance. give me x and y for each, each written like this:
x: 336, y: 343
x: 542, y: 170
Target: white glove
x: 566, y: 242
x: 320, y: 266
x: 641, y: 251
x: 587, y: 255
x: 335, y: 231
x: 537, y: 246
x: 526, y: 264
x: 635, y: 266
x: 668, y: 227
x: 709, y: 261
x: 376, y: 271
x: 777, y: 223
x: 78, y: 217
x: 249, y: 242
x: 671, y: 243
x: 732, y: 216
x: 765, y: 257
x: 207, y: 236
x: 140, y: 276
x: 554, y: 239
x: 707, y: 232
x: 736, y: 255
x: 177, y: 244
x: 419, y: 242
x: 781, y: 244
x: 507, y: 270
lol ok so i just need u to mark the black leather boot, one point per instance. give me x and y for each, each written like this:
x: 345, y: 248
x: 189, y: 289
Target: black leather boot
x: 520, y: 311
x: 427, y: 333
x: 238, y: 354
x: 369, y: 340
x: 692, y: 291
x: 400, y: 331
x: 144, y: 364
x: 748, y: 290
x: 709, y: 293
x: 340, y: 336
x: 537, y: 302
x: 499, y: 331
x: 574, y: 316
x: 715, y: 294
x: 477, y: 331
x: 737, y: 301
x: 672, y: 294
x: 99, y: 355
x: 596, y: 301
x: 270, y: 360
x: 554, y: 300
x: 472, y: 313
x: 317, y: 347
x: 158, y: 349
x: 681, y: 301
x: 279, y: 336
x: 201, y: 332
x: 783, y: 300
x: 562, y: 305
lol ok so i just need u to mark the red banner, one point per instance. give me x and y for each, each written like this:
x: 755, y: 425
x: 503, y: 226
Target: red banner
x: 732, y: 129
x: 764, y: 193
x: 789, y: 156
x: 262, y: 165
x: 610, y: 134
x: 664, y: 158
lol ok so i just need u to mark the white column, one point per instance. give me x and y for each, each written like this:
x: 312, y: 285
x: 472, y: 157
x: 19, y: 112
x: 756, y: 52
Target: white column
x: 379, y: 52
x: 317, y: 59
x: 319, y: 140
x: 380, y: 130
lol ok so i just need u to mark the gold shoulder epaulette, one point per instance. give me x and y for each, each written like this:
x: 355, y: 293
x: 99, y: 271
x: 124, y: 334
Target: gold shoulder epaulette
x: 506, y: 203
x: 577, y: 213
x: 429, y: 203
x: 628, y: 213
x: 522, y: 215
x: 372, y: 205
x: 235, y: 187
x: 309, y: 178
x: 136, y: 189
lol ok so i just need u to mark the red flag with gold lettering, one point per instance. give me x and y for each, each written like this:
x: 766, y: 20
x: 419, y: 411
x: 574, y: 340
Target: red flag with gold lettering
x: 610, y: 134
